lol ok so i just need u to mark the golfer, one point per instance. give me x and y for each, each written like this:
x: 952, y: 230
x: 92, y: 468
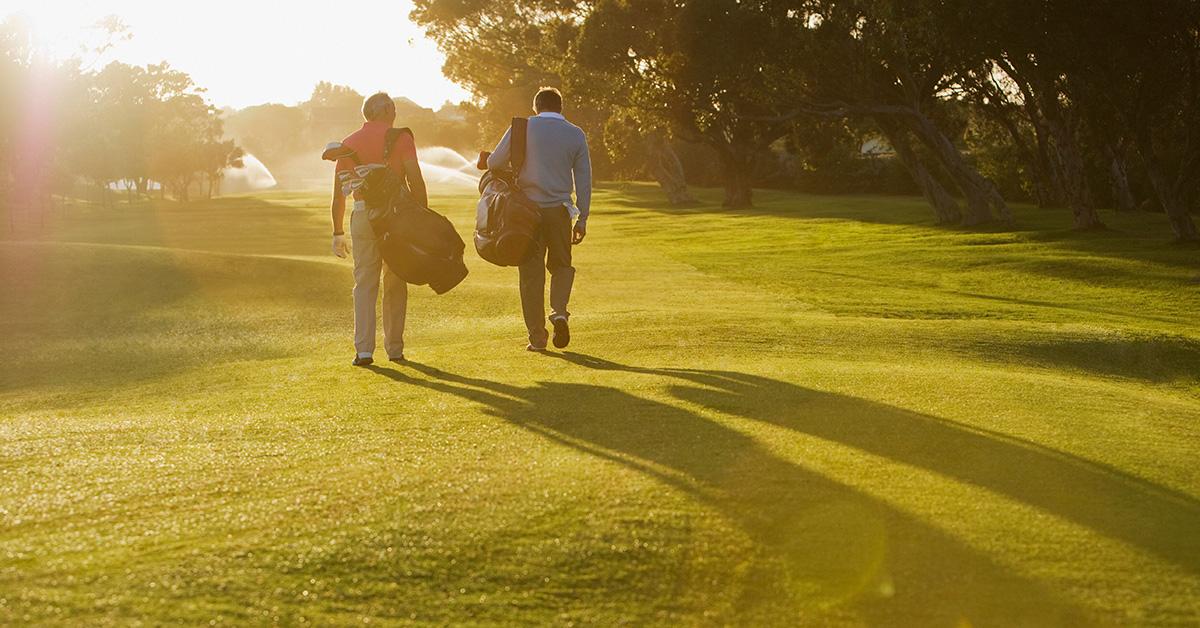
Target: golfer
x: 379, y: 113
x: 556, y: 163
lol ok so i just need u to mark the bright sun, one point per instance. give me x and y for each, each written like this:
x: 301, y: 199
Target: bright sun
x: 246, y: 53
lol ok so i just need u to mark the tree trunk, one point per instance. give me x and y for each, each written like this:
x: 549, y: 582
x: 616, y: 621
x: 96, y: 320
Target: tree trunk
x: 1052, y: 179
x: 1173, y: 202
x: 1057, y: 138
x: 982, y: 196
x: 1065, y: 151
x: 1034, y: 158
x: 737, y: 173
x: 945, y: 208
x: 1049, y: 177
x: 1123, y: 200
x: 665, y: 167
x: 184, y: 194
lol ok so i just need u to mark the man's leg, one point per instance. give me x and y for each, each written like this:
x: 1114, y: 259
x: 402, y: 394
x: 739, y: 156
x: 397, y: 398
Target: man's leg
x: 395, y: 306
x: 367, y: 266
x: 533, y: 296
x: 557, y: 231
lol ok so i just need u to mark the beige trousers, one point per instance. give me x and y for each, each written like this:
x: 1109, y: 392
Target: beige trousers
x: 368, y: 265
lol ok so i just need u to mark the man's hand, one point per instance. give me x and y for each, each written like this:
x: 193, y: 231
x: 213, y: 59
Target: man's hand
x: 341, y: 246
x: 579, y: 232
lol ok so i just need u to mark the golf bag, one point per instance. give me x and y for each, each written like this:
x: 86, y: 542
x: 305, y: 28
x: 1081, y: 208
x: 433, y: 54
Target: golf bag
x: 506, y: 221
x: 418, y: 244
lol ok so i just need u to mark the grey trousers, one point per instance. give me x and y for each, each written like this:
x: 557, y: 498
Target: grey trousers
x: 368, y: 265
x: 554, y: 249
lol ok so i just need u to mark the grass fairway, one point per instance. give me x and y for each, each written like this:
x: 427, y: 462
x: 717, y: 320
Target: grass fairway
x: 822, y: 411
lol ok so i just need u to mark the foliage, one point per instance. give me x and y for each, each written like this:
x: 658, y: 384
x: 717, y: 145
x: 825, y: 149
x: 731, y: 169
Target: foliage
x: 121, y: 123
x: 1063, y: 101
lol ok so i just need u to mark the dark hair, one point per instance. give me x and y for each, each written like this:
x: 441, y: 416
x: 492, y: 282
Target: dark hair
x: 547, y: 99
x: 377, y: 106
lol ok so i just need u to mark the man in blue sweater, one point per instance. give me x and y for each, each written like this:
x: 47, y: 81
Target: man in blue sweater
x: 556, y: 162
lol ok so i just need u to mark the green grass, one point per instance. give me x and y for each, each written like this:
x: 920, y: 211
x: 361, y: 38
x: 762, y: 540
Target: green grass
x: 822, y: 411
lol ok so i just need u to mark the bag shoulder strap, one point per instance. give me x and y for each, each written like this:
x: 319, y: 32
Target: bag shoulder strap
x: 517, y: 149
x: 391, y: 137
x: 389, y: 142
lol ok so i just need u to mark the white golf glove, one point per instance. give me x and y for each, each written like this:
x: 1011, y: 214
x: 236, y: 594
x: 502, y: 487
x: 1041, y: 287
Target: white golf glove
x: 341, y: 246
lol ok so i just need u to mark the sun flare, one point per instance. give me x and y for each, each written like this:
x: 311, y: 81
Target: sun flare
x: 248, y: 53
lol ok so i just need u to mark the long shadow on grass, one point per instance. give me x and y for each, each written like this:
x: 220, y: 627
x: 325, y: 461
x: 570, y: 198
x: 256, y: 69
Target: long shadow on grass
x: 1150, y: 358
x: 818, y: 542
x: 1100, y: 497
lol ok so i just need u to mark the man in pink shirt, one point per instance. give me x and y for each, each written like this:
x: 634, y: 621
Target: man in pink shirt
x: 380, y: 114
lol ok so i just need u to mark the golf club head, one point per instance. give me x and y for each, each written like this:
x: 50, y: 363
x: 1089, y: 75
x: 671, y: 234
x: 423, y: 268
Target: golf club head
x: 366, y: 169
x: 351, y: 186
x: 336, y: 150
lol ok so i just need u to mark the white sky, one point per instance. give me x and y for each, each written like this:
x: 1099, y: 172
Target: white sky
x: 250, y: 52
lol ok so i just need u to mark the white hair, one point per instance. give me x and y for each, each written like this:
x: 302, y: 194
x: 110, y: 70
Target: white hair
x: 377, y: 105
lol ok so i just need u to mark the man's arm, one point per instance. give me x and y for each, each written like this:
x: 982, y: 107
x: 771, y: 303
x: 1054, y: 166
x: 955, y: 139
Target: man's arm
x: 416, y: 182
x: 499, y: 156
x: 581, y: 170
x: 337, y: 210
x: 338, y: 207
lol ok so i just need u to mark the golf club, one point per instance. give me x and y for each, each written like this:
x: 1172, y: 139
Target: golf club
x: 366, y: 169
x: 351, y: 186
x: 336, y: 150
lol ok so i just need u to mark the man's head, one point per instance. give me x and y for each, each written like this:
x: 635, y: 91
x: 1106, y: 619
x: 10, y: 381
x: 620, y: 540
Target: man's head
x: 378, y: 107
x: 547, y: 99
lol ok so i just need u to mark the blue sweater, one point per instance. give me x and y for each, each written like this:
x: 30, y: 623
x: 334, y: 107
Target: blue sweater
x: 556, y: 161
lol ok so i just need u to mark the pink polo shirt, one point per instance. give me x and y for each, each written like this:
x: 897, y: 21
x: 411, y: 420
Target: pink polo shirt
x: 368, y: 143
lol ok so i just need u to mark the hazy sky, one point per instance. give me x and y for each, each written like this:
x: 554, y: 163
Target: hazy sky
x: 255, y: 51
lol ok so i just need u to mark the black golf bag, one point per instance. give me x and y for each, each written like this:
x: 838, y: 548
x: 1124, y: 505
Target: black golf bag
x: 418, y: 244
x: 506, y: 221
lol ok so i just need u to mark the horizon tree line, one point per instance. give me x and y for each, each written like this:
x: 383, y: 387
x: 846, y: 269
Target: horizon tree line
x: 981, y: 102
x: 125, y: 126
x: 1060, y: 101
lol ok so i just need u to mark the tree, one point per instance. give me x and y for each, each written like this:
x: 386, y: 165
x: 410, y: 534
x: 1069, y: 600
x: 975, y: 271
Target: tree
x: 504, y: 51
x: 273, y: 133
x: 148, y: 123
x: 1148, y: 86
x: 945, y: 207
x: 120, y: 123
x: 217, y: 157
x: 1015, y: 70
x: 697, y: 73
x: 332, y: 111
x: 885, y: 60
x: 15, y: 58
